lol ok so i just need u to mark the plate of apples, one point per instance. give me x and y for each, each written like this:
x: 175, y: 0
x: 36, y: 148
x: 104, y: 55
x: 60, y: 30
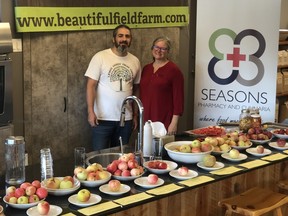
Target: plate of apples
x: 259, y: 150
x: 160, y: 166
x: 280, y: 133
x: 234, y: 155
x: 92, y: 176
x: 60, y: 186
x: 27, y: 195
x: 84, y: 198
x: 183, y: 173
x: 150, y: 181
x: 114, y: 188
x: 280, y: 144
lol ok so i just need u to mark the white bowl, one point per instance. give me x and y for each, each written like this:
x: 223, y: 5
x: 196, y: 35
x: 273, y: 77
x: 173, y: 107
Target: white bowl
x: 22, y: 206
x: 184, y: 157
x: 170, y: 166
x: 94, y: 183
x: 281, y: 136
x: 62, y: 192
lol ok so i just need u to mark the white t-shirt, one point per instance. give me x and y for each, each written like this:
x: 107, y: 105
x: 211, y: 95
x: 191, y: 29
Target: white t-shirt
x: 116, y: 76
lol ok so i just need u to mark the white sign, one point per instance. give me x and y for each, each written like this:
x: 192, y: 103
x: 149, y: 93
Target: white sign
x: 236, y: 59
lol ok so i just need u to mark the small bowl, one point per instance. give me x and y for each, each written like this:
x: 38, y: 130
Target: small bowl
x: 62, y: 192
x: 184, y: 157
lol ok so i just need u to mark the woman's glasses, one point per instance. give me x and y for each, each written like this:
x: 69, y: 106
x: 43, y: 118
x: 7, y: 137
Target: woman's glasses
x: 162, y: 49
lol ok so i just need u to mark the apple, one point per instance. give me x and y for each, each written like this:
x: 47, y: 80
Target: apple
x: 213, y: 141
x: 99, y: 166
x: 93, y: 176
x: 123, y: 165
x: 41, y: 192
x: 281, y: 142
x: 10, y: 189
x: 36, y: 183
x: 185, y: 148
x: 22, y: 199
x: 114, y: 185
x: 220, y: 140
x: 92, y: 168
x: 209, y: 160
x: 24, y: 185
x: 13, y: 200
x: 77, y: 170
x: 225, y: 147
x: 124, y: 158
x: 83, y: 195
x: 118, y: 172
x: 132, y: 164
x: 152, y: 178
x: 126, y: 173
x: 103, y: 174
x: 30, y: 190
x: 234, y: 153
x: 205, y: 147
x: 19, y: 192
x: 183, y: 171
x: 52, y: 183
x: 135, y: 172
x: 112, y: 167
x: 162, y: 165
x: 259, y: 149
x: 196, y: 143
x: 69, y: 178
x: 131, y: 156
x: 65, y: 184
x: 43, y: 208
x: 195, y: 150
x: 33, y: 198
x: 82, y: 175
x: 8, y: 196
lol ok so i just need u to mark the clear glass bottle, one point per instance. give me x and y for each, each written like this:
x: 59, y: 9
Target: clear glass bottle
x: 256, y: 118
x: 46, y: 164
x: 15, y: 160
x: 245, y: 120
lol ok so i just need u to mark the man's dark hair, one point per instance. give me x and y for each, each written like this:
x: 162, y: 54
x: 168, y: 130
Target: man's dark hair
x: 118, y: 27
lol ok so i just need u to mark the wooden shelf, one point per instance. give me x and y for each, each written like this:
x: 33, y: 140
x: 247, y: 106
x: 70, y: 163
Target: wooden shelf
x: 281, y: 43
x: 281, y: 94
x: 282, y: 66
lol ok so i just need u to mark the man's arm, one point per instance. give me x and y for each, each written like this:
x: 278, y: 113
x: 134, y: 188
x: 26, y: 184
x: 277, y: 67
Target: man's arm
x: 90, y: 97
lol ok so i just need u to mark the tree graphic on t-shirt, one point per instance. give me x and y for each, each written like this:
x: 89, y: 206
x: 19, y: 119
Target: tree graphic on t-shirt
x: 121, y: 73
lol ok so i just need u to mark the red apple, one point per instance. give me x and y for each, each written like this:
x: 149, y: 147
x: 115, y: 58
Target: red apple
x: 41, y: 193
x: 123, y: 165
x: 10, y: 189
x: 36, y: 183
x: 114, y: 185
x: 93, y: 176
x: 112, y: 167
x: 183, y: 171
x: 24, y: 185
x: 281, y: 142
x: 205, y: 147
x: 33, y: 198
x: 195, y: 150
x: 30, y: 190
x: 19, y: 192
x: 152, y: 178
x: 118, y: 172
x: 126, y: 173
x: 132, y: 164
x: 162, y: 165
x: 43, y: 208
x: 260, y: 149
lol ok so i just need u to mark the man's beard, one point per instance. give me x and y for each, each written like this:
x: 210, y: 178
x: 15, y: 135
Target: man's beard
x: 122, y: 47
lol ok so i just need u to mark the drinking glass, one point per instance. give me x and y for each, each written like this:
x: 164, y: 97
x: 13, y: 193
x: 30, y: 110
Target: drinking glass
x: 79, y: 157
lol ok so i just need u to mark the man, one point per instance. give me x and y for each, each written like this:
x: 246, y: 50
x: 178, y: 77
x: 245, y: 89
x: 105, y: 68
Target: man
x: 112, y: 75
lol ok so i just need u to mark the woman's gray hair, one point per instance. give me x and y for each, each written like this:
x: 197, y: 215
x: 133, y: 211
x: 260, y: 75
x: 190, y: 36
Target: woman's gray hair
x: 162, y: 38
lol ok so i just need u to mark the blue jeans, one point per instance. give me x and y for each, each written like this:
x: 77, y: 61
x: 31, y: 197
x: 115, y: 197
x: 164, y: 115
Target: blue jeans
x: 106, y: 134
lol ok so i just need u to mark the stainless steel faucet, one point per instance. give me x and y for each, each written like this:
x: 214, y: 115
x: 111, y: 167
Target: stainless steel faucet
x: 141, y: 116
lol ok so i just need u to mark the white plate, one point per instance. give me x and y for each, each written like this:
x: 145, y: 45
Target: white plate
x: 54, y: 211
x: 274, y: 145
x: 62, y: 192
x: 218, y: 165
x: 240, y: 158
x: 143, y: 182
x: 123, y: 189
x: 95, y: 183
x: 242, y: 147
x: 254, y: 152
x: 282, y: 136
x: 170, y: 166
x: 260, y: 141
x: 94, y: 199
x: 126, y: 178
x: 22, y: 206
x: 190, y: 174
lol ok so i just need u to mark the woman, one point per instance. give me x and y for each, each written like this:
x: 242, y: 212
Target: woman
x: 162, y: 87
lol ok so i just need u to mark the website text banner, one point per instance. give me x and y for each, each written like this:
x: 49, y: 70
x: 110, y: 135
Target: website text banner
x: 236, y: 59
x: 43, y: 19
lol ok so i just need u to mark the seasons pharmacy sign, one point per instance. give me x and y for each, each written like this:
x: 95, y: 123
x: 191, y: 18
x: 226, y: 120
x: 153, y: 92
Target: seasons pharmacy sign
x: 43, y: 19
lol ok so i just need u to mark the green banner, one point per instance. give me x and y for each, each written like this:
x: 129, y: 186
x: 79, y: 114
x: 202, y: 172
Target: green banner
x: 44, y: 19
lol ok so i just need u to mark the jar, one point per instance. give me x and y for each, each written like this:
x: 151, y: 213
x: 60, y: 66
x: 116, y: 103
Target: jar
x: 245, y: 120
x: 46, y: 164
x: 256, y: 119
x: 15, y: 160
